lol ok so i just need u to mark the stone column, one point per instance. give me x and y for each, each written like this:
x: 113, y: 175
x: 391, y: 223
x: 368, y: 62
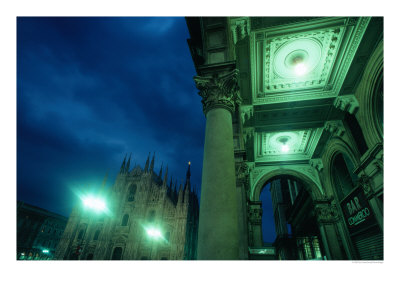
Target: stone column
x: 218, y: 236
x: 327, y: 217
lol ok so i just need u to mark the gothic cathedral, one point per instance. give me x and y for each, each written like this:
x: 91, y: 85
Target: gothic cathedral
x: 145, y: 218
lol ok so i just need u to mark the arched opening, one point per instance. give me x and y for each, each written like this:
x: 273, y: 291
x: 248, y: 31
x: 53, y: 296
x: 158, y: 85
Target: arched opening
x: 82, y: 231
x: 125, y: 220
x: 96, y: 235
x: 117, y: 253
x: 132, y: 192
x: 343, y: 177
x: 288, y: 220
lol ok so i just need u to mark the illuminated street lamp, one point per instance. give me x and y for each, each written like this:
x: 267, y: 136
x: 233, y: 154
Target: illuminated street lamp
x: 153, y: 233
x: 93, y: 202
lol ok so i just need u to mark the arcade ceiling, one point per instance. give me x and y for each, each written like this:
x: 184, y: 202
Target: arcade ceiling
x: 291, y: 72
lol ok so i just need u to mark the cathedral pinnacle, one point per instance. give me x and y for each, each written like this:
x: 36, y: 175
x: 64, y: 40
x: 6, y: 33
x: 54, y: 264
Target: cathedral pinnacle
x: 187, y: 184
x: 122, y: 170
x: 165, y: 176
x: 128, y: 164
x: 146, y: 167
x: 152, y: 163
x: 160, y: 174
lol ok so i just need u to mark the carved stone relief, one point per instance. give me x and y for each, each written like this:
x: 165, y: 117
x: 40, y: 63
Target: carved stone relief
x: 240, y: 29
x: 316, y: 163
x: 326, y: 212
x: 335, y: 127
x: 255, y: 215
x: 220, y: 91
x: 347, y: 103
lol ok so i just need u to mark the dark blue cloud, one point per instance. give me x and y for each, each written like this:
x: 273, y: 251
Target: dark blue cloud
x: 89, y: 90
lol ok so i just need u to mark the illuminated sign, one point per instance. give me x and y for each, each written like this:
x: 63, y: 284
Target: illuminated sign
x: 356, y: 210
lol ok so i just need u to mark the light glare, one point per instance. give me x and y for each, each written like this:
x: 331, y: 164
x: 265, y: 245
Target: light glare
x: 154, y: 233
x: 94, y: 203
x: 300, y: 69
x: 285, y: 148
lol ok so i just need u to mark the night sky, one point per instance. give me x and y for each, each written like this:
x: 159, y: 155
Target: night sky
x: 90, y: 91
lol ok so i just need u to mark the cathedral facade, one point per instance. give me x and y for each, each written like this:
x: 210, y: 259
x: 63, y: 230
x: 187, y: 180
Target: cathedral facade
x: 142, y: 218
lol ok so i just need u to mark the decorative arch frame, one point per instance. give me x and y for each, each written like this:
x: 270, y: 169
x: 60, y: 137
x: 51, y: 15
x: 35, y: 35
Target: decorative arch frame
x: 366, y: 95
x: 119, y: 241
x: 311, y: 184
x: 335, y: 147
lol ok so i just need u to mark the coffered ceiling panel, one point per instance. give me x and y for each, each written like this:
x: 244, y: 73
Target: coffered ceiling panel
x: 286, y: 145
x: 303, y: 61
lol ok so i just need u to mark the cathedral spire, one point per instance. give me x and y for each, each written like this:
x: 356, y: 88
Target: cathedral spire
x: 146, y: 167
x: 160, y: 174
x: 123, y: 165
x: 187, y: 184
x: 180, y: 194
x: 165, y: 176
x: 128, y: 164
x: 152, y: 163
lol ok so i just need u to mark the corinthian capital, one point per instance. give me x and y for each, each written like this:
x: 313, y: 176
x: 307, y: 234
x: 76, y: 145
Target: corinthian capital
x: 219, y: 92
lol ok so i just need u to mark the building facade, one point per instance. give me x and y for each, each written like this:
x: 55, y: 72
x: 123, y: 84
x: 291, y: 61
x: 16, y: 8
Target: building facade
x: 144, y: 218
x: 38, y: 232
x: 298, y: 99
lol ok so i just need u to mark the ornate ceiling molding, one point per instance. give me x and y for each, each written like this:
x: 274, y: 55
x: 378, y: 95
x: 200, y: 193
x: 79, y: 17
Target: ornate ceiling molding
x: 326, y: 46
x: 300, y: 145
x: 247, y: 114
x: 240, y: 28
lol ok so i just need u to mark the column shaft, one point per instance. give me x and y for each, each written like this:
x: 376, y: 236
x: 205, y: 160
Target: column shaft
x: 218, y: 224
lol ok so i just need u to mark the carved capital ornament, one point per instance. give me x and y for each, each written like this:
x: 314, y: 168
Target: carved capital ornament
x: 219, y: 92
x: 326, y: 213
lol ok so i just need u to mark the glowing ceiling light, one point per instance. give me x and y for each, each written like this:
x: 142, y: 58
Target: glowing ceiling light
x: 300, y: 69
x: 45, y: 251
x: 94, y: 203
x: 285, y: 148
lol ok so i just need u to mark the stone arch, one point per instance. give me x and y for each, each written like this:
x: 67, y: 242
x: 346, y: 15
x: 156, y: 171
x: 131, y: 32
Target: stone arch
x: 335, y: 147
x: 366, y: 95
x: 309, y: 183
